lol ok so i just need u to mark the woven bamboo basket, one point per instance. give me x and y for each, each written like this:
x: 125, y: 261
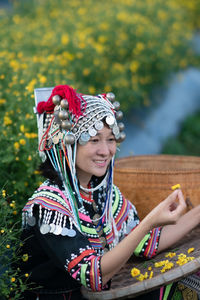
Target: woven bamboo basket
x: 147, y: 179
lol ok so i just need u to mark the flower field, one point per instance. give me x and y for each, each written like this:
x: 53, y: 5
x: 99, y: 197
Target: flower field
x: 124, y: 46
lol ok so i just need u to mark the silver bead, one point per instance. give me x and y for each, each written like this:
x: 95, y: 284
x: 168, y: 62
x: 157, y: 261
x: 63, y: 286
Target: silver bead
x: 64, y: 104
x: 119, y: 115
x: 116, y: 105
x: 69, y: 139
x: 122, y: 137
x: 66, y: 125
x: 110, y: 96
x: 121, y: 126
x: 63, y: 115
x: 56, y: 99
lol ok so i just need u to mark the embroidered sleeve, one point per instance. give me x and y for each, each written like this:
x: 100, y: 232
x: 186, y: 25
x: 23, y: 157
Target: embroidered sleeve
x: 148, y: 246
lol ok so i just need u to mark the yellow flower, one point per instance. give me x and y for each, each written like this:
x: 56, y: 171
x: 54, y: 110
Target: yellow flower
x: 190, y: 250
x: 135, y: 272
x: 2, y: 231
x: 22, y: 141
x: 86, y: 71
x: 170, y: 254
x: 15, y: 212
x: 26, y: 275
x: 140, y: 277
x: 134, y: 66
x: 4, y: 193
x: 16, y: 145
x: 12, y: 279
x: 151, y: 275
x: 149, y: 268
x: 2, y: 101
x: 25, y: 257
x: 8, y: 246
x: 176, y: 186
x: 22, y: 128
x: 65, y: 39
x: 7, y: 120
x: 42, y: 79
x: 92, y: 90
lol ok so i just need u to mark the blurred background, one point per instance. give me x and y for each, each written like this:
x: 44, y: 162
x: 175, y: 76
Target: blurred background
x: 146, y: 52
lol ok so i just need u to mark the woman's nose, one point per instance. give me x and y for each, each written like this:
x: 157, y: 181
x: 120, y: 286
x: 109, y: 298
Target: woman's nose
x: 104, y: 149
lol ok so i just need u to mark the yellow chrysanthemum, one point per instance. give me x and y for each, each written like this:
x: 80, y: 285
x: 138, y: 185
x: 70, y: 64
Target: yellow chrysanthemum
x: 135, y: 272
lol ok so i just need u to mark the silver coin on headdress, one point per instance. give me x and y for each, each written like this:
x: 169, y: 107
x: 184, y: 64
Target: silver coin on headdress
x: 110, y: 120
x: 99, y: 125
x: 92, y: 131
x: 115, y: 129
x: 84, y: 136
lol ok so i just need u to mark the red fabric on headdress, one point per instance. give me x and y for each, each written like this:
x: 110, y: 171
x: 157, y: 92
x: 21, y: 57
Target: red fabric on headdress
x: 65, y: 92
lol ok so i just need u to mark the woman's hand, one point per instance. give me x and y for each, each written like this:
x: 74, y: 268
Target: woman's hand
x: 168, y: 211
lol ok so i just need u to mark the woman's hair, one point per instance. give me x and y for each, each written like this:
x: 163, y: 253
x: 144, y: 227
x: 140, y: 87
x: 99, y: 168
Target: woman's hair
x: 48, y: 171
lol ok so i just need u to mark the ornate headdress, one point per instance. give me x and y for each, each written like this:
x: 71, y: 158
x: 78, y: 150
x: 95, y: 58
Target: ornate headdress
x: 68, y: 118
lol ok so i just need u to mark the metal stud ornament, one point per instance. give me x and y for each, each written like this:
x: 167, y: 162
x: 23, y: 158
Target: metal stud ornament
x: 56, y: 99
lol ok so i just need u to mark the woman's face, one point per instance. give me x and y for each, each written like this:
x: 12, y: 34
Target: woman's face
x: 94, y: 157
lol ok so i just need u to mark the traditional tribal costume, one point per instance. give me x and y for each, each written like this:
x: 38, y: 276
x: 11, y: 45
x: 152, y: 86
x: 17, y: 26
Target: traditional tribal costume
x: 65, y: 232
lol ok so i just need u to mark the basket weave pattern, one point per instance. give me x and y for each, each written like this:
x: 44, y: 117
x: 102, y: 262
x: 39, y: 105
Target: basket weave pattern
x: 147, y: 179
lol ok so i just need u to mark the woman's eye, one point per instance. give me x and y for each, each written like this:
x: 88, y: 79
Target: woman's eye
x: 94, y: 140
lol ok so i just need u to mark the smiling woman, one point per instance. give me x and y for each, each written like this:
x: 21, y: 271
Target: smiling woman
x: 78, y: 228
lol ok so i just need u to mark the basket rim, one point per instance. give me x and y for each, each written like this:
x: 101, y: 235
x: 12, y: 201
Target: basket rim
x: 162, y: 158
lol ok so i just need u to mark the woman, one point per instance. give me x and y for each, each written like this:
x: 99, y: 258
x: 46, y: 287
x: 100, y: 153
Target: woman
x: 78, y: 227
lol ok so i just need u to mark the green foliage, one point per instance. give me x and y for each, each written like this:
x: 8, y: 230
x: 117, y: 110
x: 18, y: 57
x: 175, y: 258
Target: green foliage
x: 11, y: 283
x: 187, y: 142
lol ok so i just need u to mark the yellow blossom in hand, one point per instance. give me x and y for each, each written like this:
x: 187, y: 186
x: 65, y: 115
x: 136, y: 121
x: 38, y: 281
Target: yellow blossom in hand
x: 135, y: 272
x: 176, y: 186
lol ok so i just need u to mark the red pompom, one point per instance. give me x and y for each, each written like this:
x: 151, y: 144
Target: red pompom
x: 65, y: 92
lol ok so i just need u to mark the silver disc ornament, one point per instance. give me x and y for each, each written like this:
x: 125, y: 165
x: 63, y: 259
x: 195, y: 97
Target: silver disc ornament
x: 110, y: 120
x: 92, y: 131
x: 31, y: 221
x: 71, y: 233
x: 44, y: 228
x: 99, y: 125
x: 65, y: 231
x: 52, y: 227
x: 84, y: 138
x: 58, y: 230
